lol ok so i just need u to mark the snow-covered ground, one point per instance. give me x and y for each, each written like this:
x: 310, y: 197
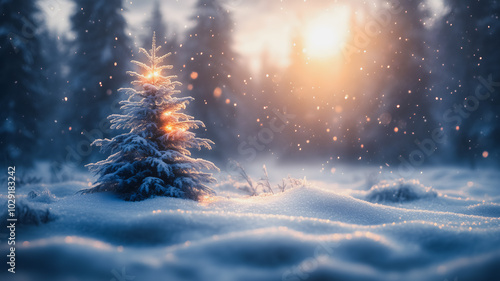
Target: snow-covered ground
x: 352, y: 224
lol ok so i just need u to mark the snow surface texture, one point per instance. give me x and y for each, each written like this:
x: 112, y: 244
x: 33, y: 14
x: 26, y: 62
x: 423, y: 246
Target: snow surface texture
x: 335, y: 228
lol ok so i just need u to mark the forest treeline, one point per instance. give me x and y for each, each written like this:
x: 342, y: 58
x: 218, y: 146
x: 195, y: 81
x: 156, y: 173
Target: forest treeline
x: 408, y: 87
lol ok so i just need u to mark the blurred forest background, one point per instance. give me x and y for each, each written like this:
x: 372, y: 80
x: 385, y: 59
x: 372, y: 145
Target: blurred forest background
x: 373, y: 82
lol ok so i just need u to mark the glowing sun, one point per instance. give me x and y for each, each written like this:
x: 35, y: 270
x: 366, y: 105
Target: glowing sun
x: 327, y: 33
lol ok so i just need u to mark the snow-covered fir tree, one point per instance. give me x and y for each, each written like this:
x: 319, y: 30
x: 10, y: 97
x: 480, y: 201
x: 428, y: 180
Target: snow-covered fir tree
x: 153, y: 158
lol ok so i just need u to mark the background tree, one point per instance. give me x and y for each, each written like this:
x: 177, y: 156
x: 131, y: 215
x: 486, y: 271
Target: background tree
x: 164, y: 35
x: 99, y: 51
x: 22, y: 81
x: 402, y: 115
x: 153, y: 158
x: 52, y: 106
x: 472, y: 29
x: 210, y: 72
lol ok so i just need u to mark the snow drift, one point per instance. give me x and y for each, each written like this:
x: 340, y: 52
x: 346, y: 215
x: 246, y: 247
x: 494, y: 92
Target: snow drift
x: 305, y: 233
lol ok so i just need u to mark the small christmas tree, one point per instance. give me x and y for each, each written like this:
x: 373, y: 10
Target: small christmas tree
x: 153, y: 159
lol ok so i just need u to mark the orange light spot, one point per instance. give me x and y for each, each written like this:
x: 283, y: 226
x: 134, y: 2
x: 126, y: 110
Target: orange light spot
x: 485, y: 154
x: 396, y: 129
x: 153, y: 74
x: 457, y: 128
x: 194, y: 75
x: 190, y: 87
x: 217, y: 92
x: 334, y: 138
x: 167, y: 113
x: 228, y: 101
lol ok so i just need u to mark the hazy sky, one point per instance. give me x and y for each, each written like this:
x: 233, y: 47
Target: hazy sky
x: 254, y: 29
x: 260, y: 24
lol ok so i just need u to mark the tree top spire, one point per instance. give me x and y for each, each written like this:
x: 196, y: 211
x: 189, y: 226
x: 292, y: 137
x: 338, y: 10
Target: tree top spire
x: 153, y: 70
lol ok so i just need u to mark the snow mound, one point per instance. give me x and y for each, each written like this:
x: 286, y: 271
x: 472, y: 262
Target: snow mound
x: 485, y: 210
x: 28, y: 214
x: 399, y: 191
x: 44, y: 196
x: 311, y: 202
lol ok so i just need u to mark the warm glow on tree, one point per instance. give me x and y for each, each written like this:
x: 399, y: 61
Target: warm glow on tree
x: 154, y: 69
x: 154, y: 74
